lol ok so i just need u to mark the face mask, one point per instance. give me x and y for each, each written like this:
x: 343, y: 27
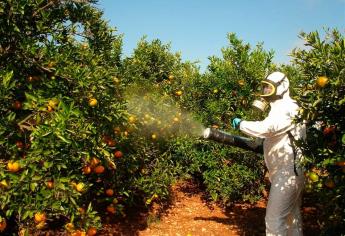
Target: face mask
x: 260, y: 104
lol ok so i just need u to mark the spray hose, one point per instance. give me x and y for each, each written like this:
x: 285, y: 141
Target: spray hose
x: 234, y: 140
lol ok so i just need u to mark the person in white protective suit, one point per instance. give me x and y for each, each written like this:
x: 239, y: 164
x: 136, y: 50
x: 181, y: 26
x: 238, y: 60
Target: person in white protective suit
x: 282, y: 157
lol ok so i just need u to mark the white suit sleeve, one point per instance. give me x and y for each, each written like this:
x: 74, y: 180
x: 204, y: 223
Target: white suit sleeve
x: 267, y: 128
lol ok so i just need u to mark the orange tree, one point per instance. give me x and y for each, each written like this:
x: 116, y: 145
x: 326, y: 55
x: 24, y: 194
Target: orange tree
x: 60, y: 104
x: 156, y: 118
x: 322, y: 91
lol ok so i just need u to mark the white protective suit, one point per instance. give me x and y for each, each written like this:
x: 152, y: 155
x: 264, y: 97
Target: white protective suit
x: 283, y: 209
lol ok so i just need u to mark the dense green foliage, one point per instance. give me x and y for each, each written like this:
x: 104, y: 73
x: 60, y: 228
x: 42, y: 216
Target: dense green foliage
x: 84, y: 132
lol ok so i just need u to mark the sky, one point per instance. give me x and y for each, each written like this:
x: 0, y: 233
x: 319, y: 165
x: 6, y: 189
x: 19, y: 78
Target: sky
x: 198, y: 28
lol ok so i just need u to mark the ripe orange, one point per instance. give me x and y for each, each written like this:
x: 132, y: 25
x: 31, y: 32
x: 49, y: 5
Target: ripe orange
x: 17, y: 105
x: 154, y: 136
x: 87, y: 170
x: 111, y: 209
x: 50, y: 184
x: 80, y: 187
x: 178, y: 93
x: 118, y: 154
x: 94, y: 162
x: 3, y: 224
x: 40, y: 217
x: 99, y: 169
x: 329, y: 130
x: 109, y: 192
x: 171, y: 77
x: 92, y: 231
x: 111, y: 143
x: 322, y: 81
x: 13, y: 166
x: 69, y: 226
x: 78, y: 233
x: 50, y: 109
x: 93, y: 102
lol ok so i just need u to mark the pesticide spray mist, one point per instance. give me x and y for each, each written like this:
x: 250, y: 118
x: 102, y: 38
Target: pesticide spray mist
x: 159, y: 115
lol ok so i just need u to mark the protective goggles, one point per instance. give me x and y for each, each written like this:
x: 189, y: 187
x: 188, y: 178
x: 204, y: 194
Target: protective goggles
x: 267, y: 88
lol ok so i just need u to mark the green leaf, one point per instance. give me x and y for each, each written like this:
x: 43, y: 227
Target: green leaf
x: 63, y: 139
x: 343, y: 139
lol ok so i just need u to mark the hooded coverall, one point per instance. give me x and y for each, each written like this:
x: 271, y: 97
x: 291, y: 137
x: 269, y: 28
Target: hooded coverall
x: 283, y: 209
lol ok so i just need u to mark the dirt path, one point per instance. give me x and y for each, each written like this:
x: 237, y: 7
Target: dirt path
x: 190, y: 215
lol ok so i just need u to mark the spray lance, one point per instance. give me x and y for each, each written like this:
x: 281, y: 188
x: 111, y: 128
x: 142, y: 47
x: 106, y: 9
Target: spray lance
x: 234, y: 140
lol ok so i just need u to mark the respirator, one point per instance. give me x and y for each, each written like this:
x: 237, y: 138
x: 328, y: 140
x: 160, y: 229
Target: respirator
x: 267, y: 92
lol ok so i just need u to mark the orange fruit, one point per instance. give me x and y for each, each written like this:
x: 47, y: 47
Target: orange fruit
x: 78, y: 233
x: 40, y: 217
x: 322, y: 81
x: 69, y: 227
x: 3, y: 224
x: 178, y: 93
x: 215, y: 90
x: 93, y: 102
x: 111, y: 209
x: 50, y: 184
x: 92, y: 231
x: 171, y: 77
x: 50, y: 109
x: 109, y: 192
x: 80, y: 187
x: 87, y: 170
x: 17, y: 105
x: 118, y: 154
x: 99, y: 169
x: 94, y: 162
x: 327, y: 131
x: 13, y: 166
x: 154, y: 136
x: 111, y: 143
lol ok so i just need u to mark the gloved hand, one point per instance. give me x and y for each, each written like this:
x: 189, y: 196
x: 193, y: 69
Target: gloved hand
x: 236, y: 123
